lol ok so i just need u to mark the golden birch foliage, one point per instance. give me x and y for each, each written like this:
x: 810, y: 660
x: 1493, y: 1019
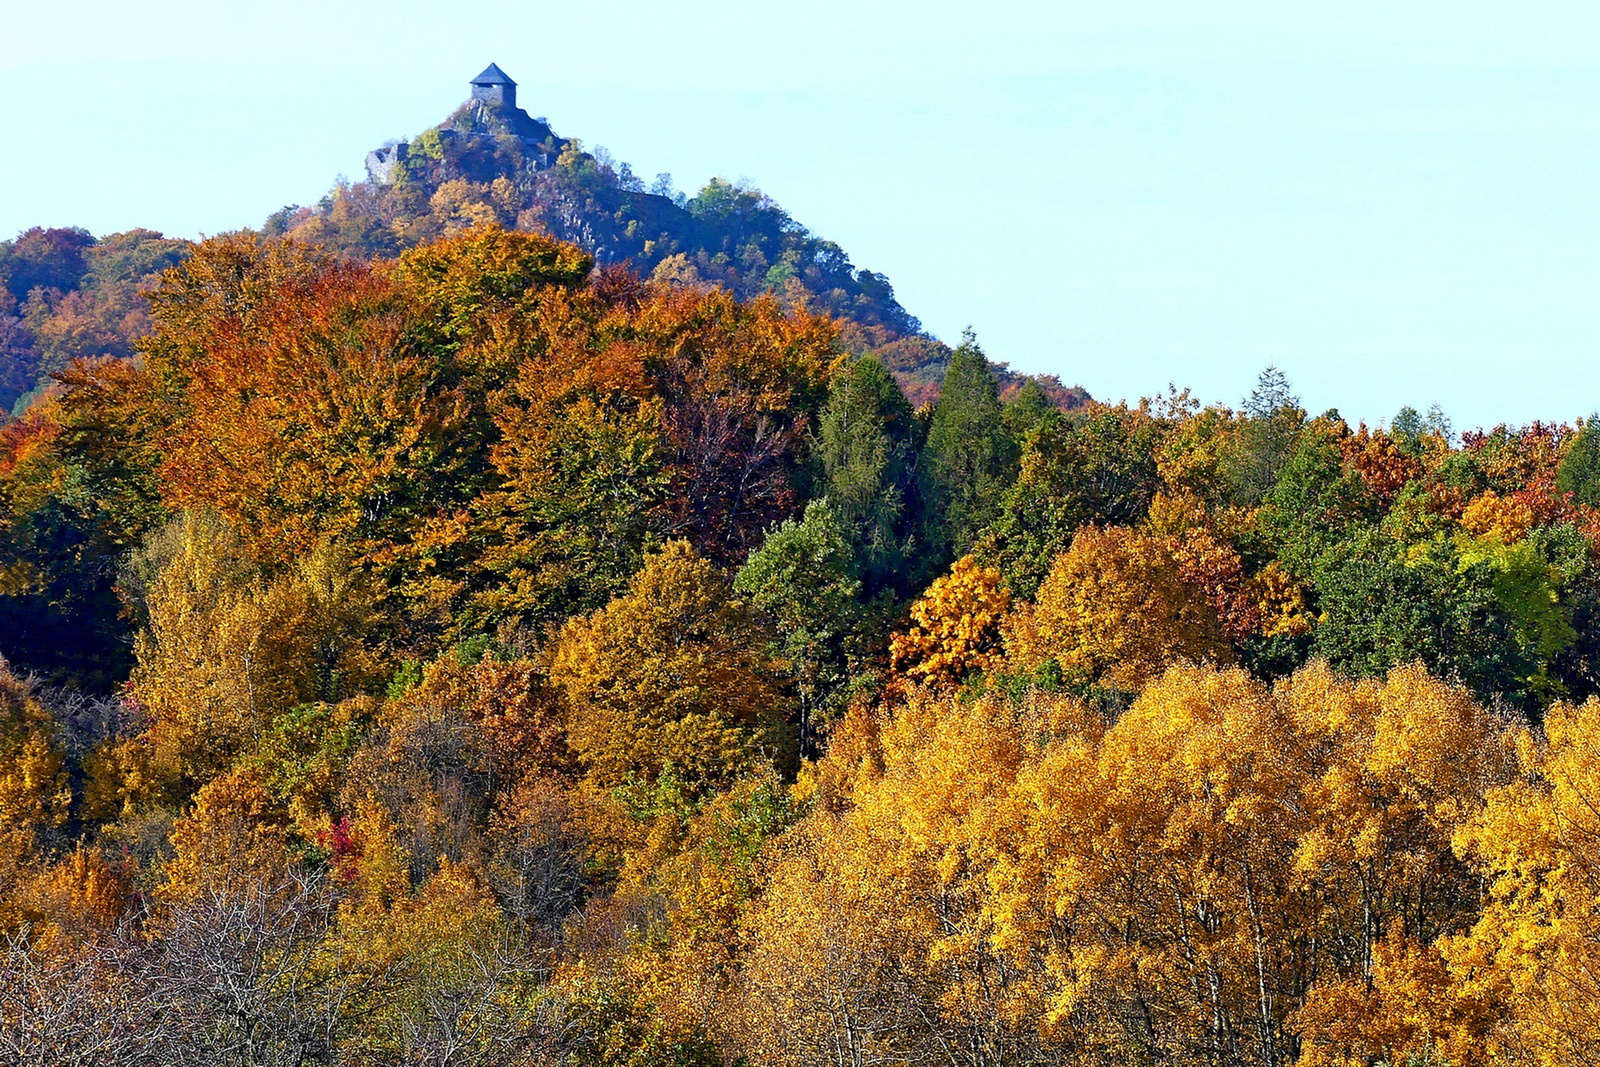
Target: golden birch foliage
x: 33, y: 789
x: 672, y: 672
x: 201, y: 676
x: 686, y: 878
x: 234, y: 837
x: 880, y: 935
x: 461, y: 208
x: 1403, y: 761
x: 225, y: 651
x: 379, y: 879
x: 1409, y: 1009
x: 955, y: 626
x: 1192, y: 456
x: 1176, y: 837
x: 451, y: 912
x: 1176, y: 884
x: 1116, y: 609
x: 416, y: 959
x: 1536, y: 947
x: 1402, y: 764
x: 855, y: 755
x: 820, y: 974
x: 34, y: 795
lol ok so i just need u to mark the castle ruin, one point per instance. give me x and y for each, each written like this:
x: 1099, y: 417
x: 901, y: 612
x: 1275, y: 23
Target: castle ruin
x: 490, y: 112
x: 493, y: 86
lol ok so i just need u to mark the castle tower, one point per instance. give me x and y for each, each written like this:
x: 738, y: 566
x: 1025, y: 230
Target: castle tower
x: 494, y: 87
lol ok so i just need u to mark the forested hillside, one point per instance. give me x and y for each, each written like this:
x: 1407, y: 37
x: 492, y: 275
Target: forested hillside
x: 491, y: 162
x: 480, y: 656
x: 67, y: 295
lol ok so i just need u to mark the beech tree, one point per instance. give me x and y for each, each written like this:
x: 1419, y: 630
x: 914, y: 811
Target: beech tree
x: 1115, y: 609
x: 224, y: 650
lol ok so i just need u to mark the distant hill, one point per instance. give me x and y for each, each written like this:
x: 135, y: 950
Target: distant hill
x: 65, y: 294
x: 492, y: 161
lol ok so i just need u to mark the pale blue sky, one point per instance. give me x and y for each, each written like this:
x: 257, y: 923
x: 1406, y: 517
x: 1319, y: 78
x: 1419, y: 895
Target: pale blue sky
x: 1397, y: 203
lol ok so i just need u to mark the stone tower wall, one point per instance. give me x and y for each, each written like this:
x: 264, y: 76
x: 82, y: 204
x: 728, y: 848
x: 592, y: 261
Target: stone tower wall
x: 496, y: 94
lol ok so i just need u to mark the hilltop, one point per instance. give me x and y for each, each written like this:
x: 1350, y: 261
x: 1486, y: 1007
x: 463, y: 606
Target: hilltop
x: 491, y: 161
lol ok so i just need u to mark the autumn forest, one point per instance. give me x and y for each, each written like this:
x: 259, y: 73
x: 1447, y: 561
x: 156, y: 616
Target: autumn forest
x: 427, y: 639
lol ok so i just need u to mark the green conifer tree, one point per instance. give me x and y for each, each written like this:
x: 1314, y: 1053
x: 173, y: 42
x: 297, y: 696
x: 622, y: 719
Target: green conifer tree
x: 1579, y: 473
x: 969, y: 459
x: 867, y: 449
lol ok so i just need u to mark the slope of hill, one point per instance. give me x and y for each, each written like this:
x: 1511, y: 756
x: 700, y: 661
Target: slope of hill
x: 65, y: 295
x: 490, y: 161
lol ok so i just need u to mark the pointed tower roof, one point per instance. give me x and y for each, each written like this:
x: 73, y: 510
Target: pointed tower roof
x: 492, y: 75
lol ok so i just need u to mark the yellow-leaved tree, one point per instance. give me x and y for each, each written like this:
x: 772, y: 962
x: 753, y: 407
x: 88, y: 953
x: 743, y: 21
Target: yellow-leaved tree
x: 225, y: 650
x: 1400, y: 764
x: 1229, y: 872
x: 879, y: 937
x: 1536, y: 949
x: 955, y: 626
x: 1115, y: 609
x: 234, y: 838
x: 34, y: 797
x: 672, y: 672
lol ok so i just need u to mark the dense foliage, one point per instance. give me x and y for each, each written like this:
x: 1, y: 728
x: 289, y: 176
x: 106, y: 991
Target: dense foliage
x: 65, y: 295
x: 478, y: 656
